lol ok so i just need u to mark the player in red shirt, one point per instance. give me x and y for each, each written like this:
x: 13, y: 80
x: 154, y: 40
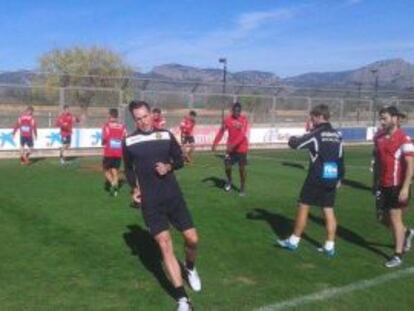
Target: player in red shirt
x: 65, y: 122
x: 113, y: 132
x: 237, y: 126
x: 394, y: 153
x: 187, y: 137
x: 158, y: 120
x: 26, y: 124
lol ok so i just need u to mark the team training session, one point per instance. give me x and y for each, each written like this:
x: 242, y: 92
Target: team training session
x: 207, y: 155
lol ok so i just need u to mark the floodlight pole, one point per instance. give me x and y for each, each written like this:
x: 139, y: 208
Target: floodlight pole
x: 223, y: 61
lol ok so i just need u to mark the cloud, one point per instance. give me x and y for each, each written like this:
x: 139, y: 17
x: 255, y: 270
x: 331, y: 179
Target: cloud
x: 196, y: 49
x: 253, y: 20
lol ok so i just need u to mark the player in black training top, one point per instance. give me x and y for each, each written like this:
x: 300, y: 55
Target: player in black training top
x: 326, y: 170
x: 151, y: 155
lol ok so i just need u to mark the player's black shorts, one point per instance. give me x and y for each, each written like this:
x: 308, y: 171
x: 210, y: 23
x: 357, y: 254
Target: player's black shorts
x: 317, y: 194
x: 26, y: 141
x: 111, y: 162
x: 187, y: 139
x: 387, y: 198
x: 66, y: 140
x: 235, y: 157
x: 173, y: 211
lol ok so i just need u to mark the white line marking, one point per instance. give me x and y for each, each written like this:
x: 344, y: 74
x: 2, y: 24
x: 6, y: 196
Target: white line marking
x: 336, y: 291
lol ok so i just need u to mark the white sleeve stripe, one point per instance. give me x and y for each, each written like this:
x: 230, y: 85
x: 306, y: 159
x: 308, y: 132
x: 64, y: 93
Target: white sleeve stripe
x: 408, y: 147
x: 307, y: 142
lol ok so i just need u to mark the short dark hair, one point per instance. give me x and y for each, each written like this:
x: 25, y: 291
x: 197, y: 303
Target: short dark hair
x: 66, y: 106
x: 113, y: 112
x: 136, y: 104
x: 156, y: 110
x: 30, y: 108
x: 393, y: 112
x: 236, y: 105
x: 321, y: 110
x: 192, y: 113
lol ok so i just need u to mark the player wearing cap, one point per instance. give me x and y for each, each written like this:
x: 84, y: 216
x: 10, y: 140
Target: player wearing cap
x: 237, y: 126
x: 394, y: 153
x: 26, y: 125
x: 113, y: 132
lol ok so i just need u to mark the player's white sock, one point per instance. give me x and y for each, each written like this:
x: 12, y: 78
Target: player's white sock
x: 329, y: 245
x: 293, y: 239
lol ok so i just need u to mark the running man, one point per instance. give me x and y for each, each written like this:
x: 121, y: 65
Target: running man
x: 187, y: 137
x: 65, y: 122
x: 151, y: 156
x: 26, y: 124
x: 394, y: 153
x: 237, y: 126
x: 326, y: 170
x: 113, y: 133
x: 158, y: 119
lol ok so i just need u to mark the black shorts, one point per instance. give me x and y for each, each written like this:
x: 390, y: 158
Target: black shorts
x: 111, y: 162
x: 187, y: 139
x: 159, y: 217
x: 26, y: 141
x: 317, y: 195
x: 235, y: 157
x: 387, y: 198
x: 66, y: 140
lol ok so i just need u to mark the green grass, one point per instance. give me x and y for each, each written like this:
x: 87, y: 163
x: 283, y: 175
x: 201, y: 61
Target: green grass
x: 67, y: 245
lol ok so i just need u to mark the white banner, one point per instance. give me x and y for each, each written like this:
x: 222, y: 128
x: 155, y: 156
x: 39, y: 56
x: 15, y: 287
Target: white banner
x: 273, y: 135
x: 51, y: 139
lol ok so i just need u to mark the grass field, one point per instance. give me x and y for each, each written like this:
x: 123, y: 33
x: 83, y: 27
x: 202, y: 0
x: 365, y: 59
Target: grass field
x: 67, y: 245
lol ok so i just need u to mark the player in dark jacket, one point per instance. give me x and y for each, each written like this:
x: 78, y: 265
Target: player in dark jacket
x: 326, y: 170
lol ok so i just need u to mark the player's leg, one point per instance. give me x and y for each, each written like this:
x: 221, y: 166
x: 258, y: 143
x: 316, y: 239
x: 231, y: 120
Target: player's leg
x: 115, y: 181
x: 331, y: 225
x: 22, y: 151
x: 398, y: 229
x: 190, y: 148
x: 301, y: 220
x: 190, y: 244
x: 28, y: 150
x: 172, y: 268
x: 242, y: 172
x: 228, y: 164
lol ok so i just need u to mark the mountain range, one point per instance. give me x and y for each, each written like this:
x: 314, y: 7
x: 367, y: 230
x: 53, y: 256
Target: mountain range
x: 396, y: 74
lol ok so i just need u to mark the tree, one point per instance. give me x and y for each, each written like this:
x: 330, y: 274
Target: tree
x: 80, y: 68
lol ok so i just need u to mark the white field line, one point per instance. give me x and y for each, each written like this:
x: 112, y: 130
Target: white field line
x: 337, y: 291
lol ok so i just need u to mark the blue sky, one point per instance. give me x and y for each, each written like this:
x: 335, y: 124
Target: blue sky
x: 281, y: 36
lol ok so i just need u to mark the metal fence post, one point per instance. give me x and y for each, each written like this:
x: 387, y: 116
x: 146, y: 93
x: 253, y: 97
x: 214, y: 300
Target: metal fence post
x: 341, y: 112
x: 61, y: 97
x: 190, y: 100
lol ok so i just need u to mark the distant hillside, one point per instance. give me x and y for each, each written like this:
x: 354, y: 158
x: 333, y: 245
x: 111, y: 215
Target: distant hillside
x: 395, y: 74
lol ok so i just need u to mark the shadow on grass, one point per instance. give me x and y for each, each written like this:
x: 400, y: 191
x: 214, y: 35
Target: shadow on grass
x: 352, y: 237
x: 281, y: 225
x: 146, y: 249
x: 356, y: 185
x: 36, y: 160
x: 347, y: 182
x: 294, y: 165
x: 218, y: 182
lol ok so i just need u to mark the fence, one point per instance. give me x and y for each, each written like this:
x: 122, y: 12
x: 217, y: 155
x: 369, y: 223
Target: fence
x: 279, y: 105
